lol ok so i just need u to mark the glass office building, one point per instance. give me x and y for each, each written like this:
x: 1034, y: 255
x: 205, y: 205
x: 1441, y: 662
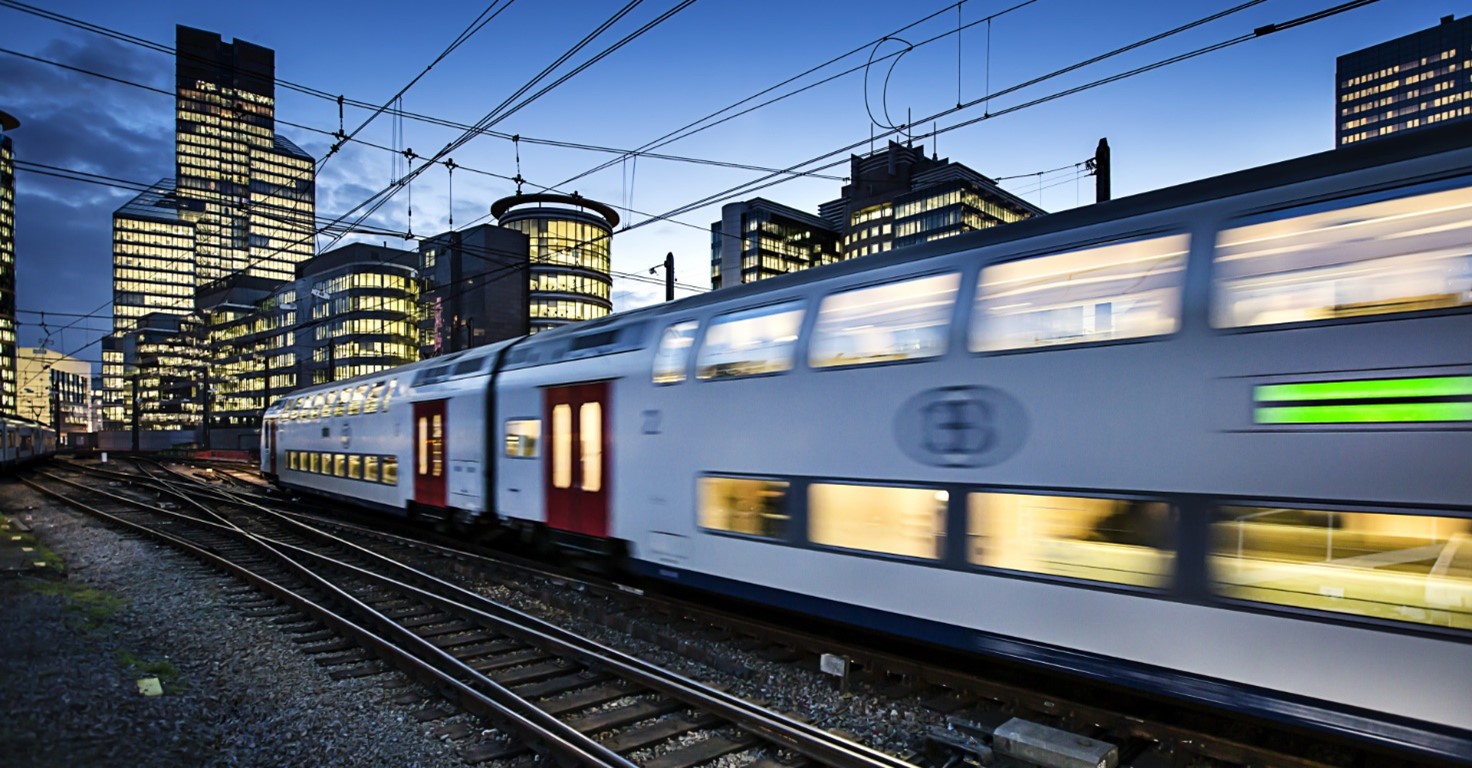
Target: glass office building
x: 568, y: 248
x: 1421, y: 79
x: 7, y: 265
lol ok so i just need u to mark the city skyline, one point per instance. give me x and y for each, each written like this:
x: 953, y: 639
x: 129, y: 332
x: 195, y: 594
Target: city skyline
x: 1182, y: 122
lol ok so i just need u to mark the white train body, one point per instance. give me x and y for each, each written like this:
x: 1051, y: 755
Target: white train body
x: 1097, y: 441
x: 23, y: 441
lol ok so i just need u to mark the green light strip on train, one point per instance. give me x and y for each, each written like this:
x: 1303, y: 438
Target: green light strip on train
x: 1364, y: 414
x: 1427, y: 386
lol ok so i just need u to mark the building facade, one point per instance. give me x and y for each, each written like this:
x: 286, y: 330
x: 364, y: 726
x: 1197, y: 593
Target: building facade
x: 895, y: 198
x: 241, y: 209
x: 8, y: 382
x: 477, y: 288
x: 56, y: 390
x: 568, y: 236
x: 360, y: 306
x: 1421, y: 79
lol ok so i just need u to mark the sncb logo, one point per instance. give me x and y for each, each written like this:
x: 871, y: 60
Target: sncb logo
x: 960, y: 426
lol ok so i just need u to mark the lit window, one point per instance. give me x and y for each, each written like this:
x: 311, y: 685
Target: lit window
x: 744, y: 505
x: 750, y: 342
x: 898, y: 321
x: 391, y: 470
x: 1119, y: 291
x: 339, y: 465
x: 562, y: 446
x: 674, y: 352
x: 1114, y: 540
x: 590, y: 435
x: 370, y: 468
x: 1413, y: 568
x: 898, y: 521
x: 1400, y: 255
x: 523, y: 438
x: 437, y: 446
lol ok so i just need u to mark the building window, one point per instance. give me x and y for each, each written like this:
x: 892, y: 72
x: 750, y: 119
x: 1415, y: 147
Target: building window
x: 744, y: 505
x: 750, y: 342
x: 909, y: 522
x: 1121, y: 541
x: 885, y: 323
x: 1120, y: 291
x: 1400, y: 255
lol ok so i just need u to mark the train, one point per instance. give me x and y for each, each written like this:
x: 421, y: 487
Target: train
x: 24, y: 442
x: 1211, y: 442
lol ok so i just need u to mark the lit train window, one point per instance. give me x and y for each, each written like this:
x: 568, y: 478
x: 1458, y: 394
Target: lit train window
x: 370, y: 404
x: 291, y: 459
x: 1400, y: 255
x: 389, y: 392
x: 1119, y: 291
x: 370, y: 468
x: 884, y: 323
x: 523, y: 438
x: 1120, y: 541
x: 326, y: 463
x: 910, y: 522
x: 314, y: 462
x: 674, y: 352
x: 355, y: 467
x: 562, y: 446
x: 590, y: 434
x: 1414, y: 568
x: 339, y: 465
x: 391, y: 470
x: 355, y: 406
x: 744, y: 505
x: 750, y: 342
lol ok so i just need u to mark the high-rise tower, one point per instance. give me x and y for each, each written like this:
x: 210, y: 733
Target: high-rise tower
x: 7, y: 266
x: 1421, y: 79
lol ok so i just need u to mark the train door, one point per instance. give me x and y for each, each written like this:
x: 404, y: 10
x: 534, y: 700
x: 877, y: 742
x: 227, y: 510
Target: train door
x: 576, y: 469
x: 429, y: 453
x: 271, y: 444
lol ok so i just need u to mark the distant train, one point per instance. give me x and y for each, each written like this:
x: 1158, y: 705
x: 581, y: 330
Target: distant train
x: 23, y: 441
x: 1213, y: 441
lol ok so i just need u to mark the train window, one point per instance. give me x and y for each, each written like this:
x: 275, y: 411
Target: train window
x: 1118, y: 291
x: 674, y: 352
x: 314, y: 462
x: 326, y: 463
x: 355, y: 406
x: 910, y: 522
x: 355, y: 467
x: 339, y: 465
x: 750, y: 342
x: 883, y: 323
x: 437, y: 445
x: 523, y: 438
x: 562, y: 446
x: 1400, y: 255
x: 390, y: 470
x: 320, y: 405
x: 1413, y: 568
x: 389, y: 392
x: 744, y: 505
x: 343, y: 396
x: 1121, y: 541
x: 291, y: 459
x: 590, y: 435
x: 370, y: 468
x: 370, y: 404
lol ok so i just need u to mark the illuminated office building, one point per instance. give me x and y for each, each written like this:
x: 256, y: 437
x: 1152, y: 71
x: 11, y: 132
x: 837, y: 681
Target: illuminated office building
x: 359, y: 312
x: 7, y: 266
x: 568, y: 249
x: 241, y: 207
x: 895, y: 198
x: 54, y: 388
x: 1421, y: 79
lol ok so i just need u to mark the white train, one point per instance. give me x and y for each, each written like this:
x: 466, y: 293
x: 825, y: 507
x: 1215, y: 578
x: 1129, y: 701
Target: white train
x: 1213, y: 441
x: 23, y: 441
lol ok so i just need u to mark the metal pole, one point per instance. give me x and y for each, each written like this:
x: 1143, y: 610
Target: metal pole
x: 1101, y: 171
x: 135, y: 411
x: 669, y: 276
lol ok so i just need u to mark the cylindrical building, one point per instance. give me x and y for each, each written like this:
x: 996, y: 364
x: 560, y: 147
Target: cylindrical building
x: 568, y: 249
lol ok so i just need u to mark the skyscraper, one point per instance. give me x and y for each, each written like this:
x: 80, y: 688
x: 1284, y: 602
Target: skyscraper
x: 242, y: 203
x: 1424, y: 78
x: 7, y: 265
x: 568, y: 247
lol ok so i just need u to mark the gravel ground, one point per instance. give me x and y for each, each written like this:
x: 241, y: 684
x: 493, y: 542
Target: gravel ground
x: 238, y: 692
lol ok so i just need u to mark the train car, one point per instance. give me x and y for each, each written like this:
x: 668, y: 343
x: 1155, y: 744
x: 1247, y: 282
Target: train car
x: 1209, y: 441
x: 23, y: 442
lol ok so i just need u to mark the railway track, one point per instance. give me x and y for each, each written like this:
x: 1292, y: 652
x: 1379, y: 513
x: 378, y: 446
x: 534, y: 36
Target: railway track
x: 546, y: 690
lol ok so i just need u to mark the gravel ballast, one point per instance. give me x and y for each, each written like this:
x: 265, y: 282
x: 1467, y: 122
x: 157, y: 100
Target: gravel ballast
x: 237, y: 691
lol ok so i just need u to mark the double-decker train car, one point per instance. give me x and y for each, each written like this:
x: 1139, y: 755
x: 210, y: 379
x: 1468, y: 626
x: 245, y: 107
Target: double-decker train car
x: 1213, y: 441
x: 23, y: 441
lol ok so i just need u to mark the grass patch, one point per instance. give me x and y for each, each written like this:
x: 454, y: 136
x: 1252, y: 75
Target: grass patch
x: 163, y: 669
x: 89, y: 609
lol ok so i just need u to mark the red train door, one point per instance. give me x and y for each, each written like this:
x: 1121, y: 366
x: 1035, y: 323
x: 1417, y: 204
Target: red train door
x: 271, y: 443
x: 576, y: 470
x: 429, y: 453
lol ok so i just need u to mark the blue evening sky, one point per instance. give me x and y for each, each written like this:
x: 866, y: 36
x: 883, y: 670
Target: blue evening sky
x: 1264, y: 100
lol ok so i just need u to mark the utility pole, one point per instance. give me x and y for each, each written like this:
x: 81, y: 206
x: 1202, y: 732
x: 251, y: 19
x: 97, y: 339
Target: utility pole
x: 1101, y: 171
x: 135, y: 411
x: 669, y: 275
